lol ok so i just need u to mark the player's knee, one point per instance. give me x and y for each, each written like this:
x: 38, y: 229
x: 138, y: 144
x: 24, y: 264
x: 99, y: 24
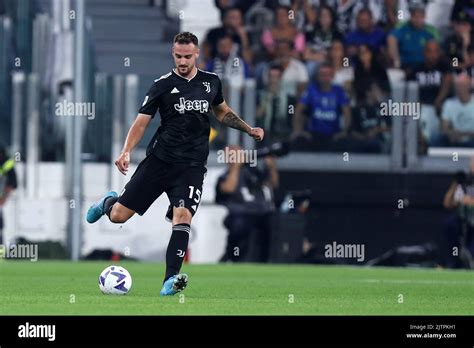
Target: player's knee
x: 182, y: 216
x: 117, y: 216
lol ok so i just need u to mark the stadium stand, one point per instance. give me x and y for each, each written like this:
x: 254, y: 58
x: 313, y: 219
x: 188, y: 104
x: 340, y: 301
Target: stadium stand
x: 375, y: 64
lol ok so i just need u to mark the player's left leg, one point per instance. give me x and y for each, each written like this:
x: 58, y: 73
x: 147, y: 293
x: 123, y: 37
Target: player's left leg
x: 184, y: 193
x: 178, y: 243
x: 174, y: 281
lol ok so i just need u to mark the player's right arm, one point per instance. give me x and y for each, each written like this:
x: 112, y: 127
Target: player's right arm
x: 226, y: 116
x: 135, y: 134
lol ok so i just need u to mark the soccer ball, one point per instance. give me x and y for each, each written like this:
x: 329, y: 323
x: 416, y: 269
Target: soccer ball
x: 115, y: 280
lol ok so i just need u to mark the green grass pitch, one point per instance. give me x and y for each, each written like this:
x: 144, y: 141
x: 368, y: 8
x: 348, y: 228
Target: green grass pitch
x: 71, y: 288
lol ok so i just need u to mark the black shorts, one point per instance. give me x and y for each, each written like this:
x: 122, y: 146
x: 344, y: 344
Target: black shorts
x: 182, y: 183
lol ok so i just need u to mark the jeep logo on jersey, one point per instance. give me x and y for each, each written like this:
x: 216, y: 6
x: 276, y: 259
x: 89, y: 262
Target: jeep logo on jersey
x: 188, y: 105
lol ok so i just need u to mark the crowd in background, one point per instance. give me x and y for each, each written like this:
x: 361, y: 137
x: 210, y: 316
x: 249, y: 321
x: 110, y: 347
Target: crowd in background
x: 323, y: 68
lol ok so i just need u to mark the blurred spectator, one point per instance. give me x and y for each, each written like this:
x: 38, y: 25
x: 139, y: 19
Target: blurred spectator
x: 458, y: 115
x: 434, y: 75
x: 407, y: 41
x: 282, y: 30
x: 227, y: 64
x: 273, y: 110
x: 457, y: 43
x: 295, y: 77
x: 247, y: 192
x: 8, y: 183
x: 389, y: 13
x: 319, y: 39
x: 231, y: 26
x: 328, y: 109
x: 365, y: 33
x: 242, y: 5
x: 343, y: 72
x: 369, y: 130
x: 463, y: 8
x: 469, y: 66
x: 310, y: 16
x: 434, y: 78
x: 296, y: 10
x: 369, y: 75
x: 346, y: 12
x: 386, y: 13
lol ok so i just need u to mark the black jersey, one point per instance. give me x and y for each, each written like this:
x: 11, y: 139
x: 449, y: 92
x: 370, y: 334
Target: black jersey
x: 185, y: 107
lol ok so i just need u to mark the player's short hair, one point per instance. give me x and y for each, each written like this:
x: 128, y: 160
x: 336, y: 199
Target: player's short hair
x: 186, y: 38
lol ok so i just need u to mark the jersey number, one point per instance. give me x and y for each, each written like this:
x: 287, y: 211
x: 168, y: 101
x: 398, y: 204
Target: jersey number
x: 191, y: 194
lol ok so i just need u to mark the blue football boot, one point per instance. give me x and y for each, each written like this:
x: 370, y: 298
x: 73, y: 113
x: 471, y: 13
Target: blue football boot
x: 174, y: 284
x: 96, y: 211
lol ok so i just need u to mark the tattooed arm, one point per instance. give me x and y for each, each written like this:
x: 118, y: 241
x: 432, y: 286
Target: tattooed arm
x: 229, y: 118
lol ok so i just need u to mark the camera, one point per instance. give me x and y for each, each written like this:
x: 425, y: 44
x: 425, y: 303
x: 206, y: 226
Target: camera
x: 278, y: 149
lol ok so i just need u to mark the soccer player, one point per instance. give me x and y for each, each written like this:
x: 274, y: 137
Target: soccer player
x: 177, y: 154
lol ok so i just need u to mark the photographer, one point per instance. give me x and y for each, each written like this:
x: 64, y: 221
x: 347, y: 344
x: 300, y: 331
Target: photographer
x: 248, y: 194
x: 458, y: 228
